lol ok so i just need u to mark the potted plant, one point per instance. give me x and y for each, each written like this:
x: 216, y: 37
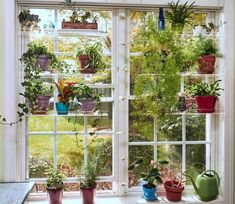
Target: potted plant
x: 90, y: 56
x: 41, y: 53
x: 87, y: 177
x: 179, y: 15
x: 28, y: 21
x: 44, y: 97
x: 55, y: 186
x: 206, y: 50
x: 149, y: 177
x: 80, y: 20
x: 87, y: 97
x: 65, y: 96
x: 205, y: 95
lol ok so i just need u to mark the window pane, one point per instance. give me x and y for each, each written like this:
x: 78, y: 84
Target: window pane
x: 40, y: 123
x: 70, y: 124
x: 40, y: 155
x: 196, y: 128
x: 171, y: 153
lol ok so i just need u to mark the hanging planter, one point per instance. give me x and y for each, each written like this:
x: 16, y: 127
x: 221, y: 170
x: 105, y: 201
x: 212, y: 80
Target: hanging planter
x: 78, y: 25
x: 43, y: 62
x: 42, y: 104
x: 87, y: 105
x: 206, y: 64
x: 206, y: 104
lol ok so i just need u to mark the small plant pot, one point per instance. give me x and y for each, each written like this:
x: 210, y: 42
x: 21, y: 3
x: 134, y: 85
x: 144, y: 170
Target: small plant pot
x: 206, y: 104
x: 84, y: 64
x: 79, y: 25
x: 206, y: 64
x: 55, y: 196
x: 62, y: 108
x: 43, y: 103
x: 43, y: 62
x: 88, y: 195
x: 87, y: 105
x: 149, y: 193
x: 173, y: 193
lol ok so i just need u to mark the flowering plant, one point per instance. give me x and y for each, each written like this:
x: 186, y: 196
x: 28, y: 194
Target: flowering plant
x: 66, y: 91
x: 151, y: 173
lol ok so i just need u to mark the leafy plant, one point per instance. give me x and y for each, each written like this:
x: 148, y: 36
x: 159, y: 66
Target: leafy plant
x: 151, y: 173
x: 204, y: 89
x: 95, y: 54
x: 47, y: 89
x: 38, y: 165
x: 84, y: 92
x: 28, y: 20
x: 89, y: 173
x: 180, y: 14
x: 55, y: 179
x: 205, y: 46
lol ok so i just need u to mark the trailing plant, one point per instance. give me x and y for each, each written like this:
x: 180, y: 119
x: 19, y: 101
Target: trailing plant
x: 55, y: 179
x: 204, y: 89
x: 47, y: 89
x: 85, y: 92
x: 180, y: 13
x: 28, y: 21
x: 95, y: 54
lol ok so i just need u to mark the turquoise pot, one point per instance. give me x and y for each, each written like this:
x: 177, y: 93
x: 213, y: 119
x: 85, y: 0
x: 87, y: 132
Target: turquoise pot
x: 149, y: 193
x: 62, y: 108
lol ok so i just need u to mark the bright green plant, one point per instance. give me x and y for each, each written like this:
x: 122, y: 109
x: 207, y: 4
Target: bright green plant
x: 55, y: 179
x: 47, y: 89
x: 84, y: 92
x: 205, y: 46
x: 95, y: 54
x: 204, y: 89
x: 180, y: 14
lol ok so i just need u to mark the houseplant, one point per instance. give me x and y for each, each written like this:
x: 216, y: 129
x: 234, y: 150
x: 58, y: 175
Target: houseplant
x: 88, y: 175
x: 40, y: 52
x: 205, y: 50
x: 179, y: 15
x: 87, y: 97
x: 149, y: 177
x: 65, y: 96
x: 55, y: 186
x: 205, y: 95
x: 28, y: 21
x: 90, y: 56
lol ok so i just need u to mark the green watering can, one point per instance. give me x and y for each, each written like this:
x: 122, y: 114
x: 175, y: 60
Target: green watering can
x: 207, y: 185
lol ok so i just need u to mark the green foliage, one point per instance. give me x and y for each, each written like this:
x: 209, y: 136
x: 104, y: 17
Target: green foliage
x: 55, y: 179
x: 205, y: 46
x: 180, y: 14
x: 85, y: 92
x: 204, y: 89
x: 28, y: 20
x: 47, y: 89
x: 89, y: 173
x: 95, y: 54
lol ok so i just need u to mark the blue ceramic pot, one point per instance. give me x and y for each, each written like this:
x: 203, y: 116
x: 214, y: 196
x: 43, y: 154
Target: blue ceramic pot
x: 149, y: 193
x: 62, y: 108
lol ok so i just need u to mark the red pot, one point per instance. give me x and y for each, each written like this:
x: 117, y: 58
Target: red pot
x: 55, y: 196
x: 206, y: 64
x: 84, y: 63
x: 88, y: 195
x: 173, y: 193
x: 206, y: 104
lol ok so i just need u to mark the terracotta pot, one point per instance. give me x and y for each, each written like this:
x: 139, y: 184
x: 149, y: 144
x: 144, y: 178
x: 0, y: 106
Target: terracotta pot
x: 87, y: 105
x: 84, y: 64
x: 43, y: 103
x: 206, y: 104
x: 173, y: 193
x: 88, y: 194
x: 43, y: 62
x: 206, y: 64
x: 79, y: 25
x: 55, y: 196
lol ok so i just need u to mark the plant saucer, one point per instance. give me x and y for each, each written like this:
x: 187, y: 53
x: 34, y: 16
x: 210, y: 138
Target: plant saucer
x: 150, y: 198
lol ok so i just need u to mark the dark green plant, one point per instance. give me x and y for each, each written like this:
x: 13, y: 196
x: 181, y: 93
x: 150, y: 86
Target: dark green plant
x: 204, y: 89
x: 89, y: 173
x: 205, y: 46
x: 28, y: 20
x: 180, y: 13
x: 95, y: 54
x: 85, y: 92
x: 47, y: 89
x: 55, y: 179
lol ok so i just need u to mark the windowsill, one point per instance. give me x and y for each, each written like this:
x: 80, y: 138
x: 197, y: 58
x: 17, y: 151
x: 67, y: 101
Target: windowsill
x: 131, y: 198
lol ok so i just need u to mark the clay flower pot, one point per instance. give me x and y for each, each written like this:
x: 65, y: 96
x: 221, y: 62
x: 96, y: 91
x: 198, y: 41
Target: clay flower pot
x: 206, y: 104
x: 206, y: 64
x: 55, y: 196
x: 88, y: 194
x: 173, y: 193
x: 84, y: 63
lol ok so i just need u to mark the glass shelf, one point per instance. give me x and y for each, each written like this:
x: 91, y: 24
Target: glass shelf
x: 186, y: 113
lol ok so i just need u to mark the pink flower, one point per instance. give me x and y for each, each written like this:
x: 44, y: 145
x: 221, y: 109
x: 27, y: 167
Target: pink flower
x: 153, y: 162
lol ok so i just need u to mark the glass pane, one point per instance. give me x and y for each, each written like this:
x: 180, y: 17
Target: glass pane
x: 196, y: 128
x: 70, y: 124
x: 135, y: 153
x: 170, y: 129
x: 138, y: 118
x: 40, y: 123
x: 40, y: 155
x: 195, y: 159
x: 70, y: 153
x: 100, y: 146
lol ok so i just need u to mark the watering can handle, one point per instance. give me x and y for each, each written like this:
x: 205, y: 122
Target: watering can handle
x: 215, y: 173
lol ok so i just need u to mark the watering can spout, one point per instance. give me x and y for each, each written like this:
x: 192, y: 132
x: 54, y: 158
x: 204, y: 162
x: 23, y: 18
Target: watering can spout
x: 194, y: 184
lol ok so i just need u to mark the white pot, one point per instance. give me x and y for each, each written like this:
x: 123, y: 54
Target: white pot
x: 199, y: 30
